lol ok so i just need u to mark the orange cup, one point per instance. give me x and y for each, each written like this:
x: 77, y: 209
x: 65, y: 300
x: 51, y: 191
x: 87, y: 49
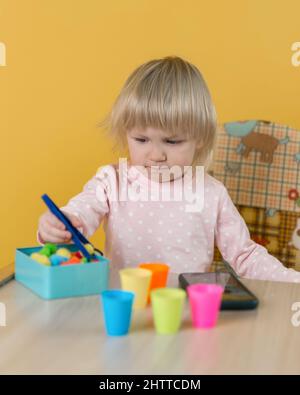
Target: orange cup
x: 159, y: 275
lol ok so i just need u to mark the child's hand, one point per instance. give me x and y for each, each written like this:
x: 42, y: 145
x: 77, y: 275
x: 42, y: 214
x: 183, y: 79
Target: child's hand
x: 52, y: 230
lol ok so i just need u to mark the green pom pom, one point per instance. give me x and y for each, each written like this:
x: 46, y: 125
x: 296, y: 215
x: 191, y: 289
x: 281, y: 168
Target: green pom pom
x: 48, y: 249
x: 45, y: 251
x: 52, y: 247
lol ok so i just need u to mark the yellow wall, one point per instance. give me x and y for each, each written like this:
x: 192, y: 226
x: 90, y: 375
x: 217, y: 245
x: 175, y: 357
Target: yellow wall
x: 67, y: 59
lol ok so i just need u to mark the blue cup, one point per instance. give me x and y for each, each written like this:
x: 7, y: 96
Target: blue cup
x: 117, y: 308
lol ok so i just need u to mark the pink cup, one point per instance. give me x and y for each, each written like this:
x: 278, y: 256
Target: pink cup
x: 205, y: 301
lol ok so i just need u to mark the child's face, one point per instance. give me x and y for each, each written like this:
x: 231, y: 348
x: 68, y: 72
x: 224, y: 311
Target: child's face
x: 155, y: 147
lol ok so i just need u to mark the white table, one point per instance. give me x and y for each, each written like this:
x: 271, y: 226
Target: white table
x: 68, y: 336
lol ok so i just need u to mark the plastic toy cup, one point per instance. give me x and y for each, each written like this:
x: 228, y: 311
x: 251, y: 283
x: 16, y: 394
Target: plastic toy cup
x: 205, y: 301
x: 159, y: 275
x: 136, y: 280
x: 167, y: 306
x: 117, y: 309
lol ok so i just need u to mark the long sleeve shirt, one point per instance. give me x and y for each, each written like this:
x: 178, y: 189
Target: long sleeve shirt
x: 155, y: 230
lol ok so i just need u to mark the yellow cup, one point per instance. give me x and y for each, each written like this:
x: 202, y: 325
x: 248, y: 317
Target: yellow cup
x: 136, y: 280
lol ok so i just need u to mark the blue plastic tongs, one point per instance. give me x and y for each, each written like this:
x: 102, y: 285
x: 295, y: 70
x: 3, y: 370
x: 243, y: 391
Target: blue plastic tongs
x: 77, y: 236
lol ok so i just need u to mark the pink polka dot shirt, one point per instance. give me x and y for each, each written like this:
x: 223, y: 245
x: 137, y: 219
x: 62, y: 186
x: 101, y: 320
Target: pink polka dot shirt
x: 164, y: 231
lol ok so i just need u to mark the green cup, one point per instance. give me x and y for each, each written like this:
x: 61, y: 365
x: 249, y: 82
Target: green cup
x: 167, y: 307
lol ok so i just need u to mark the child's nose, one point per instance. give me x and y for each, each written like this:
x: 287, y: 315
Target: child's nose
x: 157, y: 155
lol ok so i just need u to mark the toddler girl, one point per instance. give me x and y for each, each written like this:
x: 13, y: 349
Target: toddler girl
x: 163, y: 205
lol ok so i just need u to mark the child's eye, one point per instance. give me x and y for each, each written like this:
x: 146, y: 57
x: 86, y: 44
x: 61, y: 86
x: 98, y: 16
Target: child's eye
x: 174, y: 142
x: 140, y: 140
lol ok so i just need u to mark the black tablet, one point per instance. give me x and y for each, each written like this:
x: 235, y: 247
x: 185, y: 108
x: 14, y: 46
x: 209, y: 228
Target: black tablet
x: 235, y: 297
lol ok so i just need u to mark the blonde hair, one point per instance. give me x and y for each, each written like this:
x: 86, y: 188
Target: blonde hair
x: 168, y: 94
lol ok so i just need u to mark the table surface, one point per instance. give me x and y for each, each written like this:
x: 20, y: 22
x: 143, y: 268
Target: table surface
x: 68, y: 336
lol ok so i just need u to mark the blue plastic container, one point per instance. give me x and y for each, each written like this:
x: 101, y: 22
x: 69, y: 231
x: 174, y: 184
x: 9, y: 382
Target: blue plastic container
x: 117, y: 310
x: 52, y: 282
